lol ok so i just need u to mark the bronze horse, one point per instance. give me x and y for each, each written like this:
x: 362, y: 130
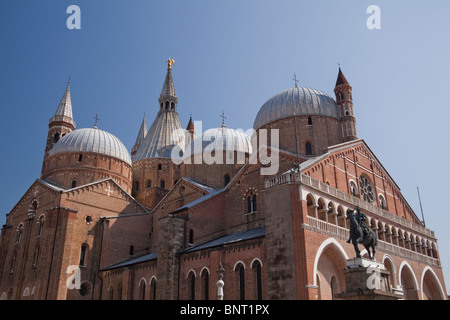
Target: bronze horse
x: 361, y: 233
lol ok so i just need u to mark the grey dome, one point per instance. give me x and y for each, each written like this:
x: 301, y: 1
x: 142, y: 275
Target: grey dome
x: 92, y: 140
x: 296, y: 101
x: 222, y: 139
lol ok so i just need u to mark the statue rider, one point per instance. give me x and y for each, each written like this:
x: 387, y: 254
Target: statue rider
x: 361, y: 219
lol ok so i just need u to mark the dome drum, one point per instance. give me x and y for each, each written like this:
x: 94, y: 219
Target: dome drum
x: 87, y: 155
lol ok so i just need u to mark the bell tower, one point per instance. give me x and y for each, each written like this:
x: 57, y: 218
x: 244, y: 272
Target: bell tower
x: 344, y: 99
x: 61, y: 123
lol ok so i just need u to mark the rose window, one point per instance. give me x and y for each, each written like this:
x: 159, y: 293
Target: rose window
x: 366, y: 189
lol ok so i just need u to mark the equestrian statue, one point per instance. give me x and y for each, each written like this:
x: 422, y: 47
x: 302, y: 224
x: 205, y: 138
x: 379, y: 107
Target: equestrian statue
x: 361, y: 233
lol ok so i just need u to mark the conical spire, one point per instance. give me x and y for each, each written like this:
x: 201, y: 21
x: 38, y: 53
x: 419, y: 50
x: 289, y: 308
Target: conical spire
x: 65, y: 106
x: 168, y: 87
x: 64, y: 110
x: 168, y: 98
x: 190, y: 126
x: 142, y: 132
x: 341, y: 79
x: 140, y: 137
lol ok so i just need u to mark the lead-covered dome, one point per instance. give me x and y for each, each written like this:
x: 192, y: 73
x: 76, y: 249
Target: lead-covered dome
x: 221, y: 139
x: 296, y: 101
x: 92, y: 140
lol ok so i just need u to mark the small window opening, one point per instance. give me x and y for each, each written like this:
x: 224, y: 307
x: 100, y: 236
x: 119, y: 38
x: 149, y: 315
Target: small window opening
x: 308, y: 148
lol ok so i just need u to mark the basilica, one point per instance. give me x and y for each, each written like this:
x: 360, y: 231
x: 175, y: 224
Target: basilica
x: 191, y: 215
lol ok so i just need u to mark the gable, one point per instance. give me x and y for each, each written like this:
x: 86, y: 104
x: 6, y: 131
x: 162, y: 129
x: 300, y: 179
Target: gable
x: 186, y: 194
x: 353, y: 164
x: 105, y: 194
x: 40, y: 196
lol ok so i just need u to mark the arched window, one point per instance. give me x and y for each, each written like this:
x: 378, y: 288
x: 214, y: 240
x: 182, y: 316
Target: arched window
x: 251, y: 203
x: 172, y: 106
x: 308, y: 148
x: 83, y: 254
x: 258, y: 281
x: 153, y: 289
x: 192, y: 285
x: 382, y: 202
x: 56, y: 137
x: 226, y: 179
x: 33, y: 208
x: 74, y: 183
x: 41, y: 225
x: 19, y: 233
x: 353, y: 188
x: 241, y: 276
x: 205, y: 282
x: 142, y: 289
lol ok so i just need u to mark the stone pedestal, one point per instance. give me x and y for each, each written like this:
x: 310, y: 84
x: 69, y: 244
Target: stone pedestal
x: 366, y: 280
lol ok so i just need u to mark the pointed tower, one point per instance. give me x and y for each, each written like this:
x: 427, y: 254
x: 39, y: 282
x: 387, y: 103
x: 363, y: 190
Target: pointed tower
x: 141, y: 136
x: 168, y: 99
x: 166, y: 131
x: 62, y: 122
x: 154, y: 170
x: 343, y: 92
x: 190, y: 128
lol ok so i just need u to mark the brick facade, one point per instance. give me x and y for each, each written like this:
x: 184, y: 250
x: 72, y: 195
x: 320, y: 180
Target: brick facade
x: 158, y: 230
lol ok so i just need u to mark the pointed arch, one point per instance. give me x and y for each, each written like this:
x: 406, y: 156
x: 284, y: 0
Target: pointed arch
x: 431, y: 286
x: 408, y: 281
x: 328, y: 242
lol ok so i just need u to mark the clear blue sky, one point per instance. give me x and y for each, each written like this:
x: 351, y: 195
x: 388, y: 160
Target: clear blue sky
x: 232, y: 56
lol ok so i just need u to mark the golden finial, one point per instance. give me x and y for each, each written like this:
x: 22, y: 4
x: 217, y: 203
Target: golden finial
x: 170, y: 62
